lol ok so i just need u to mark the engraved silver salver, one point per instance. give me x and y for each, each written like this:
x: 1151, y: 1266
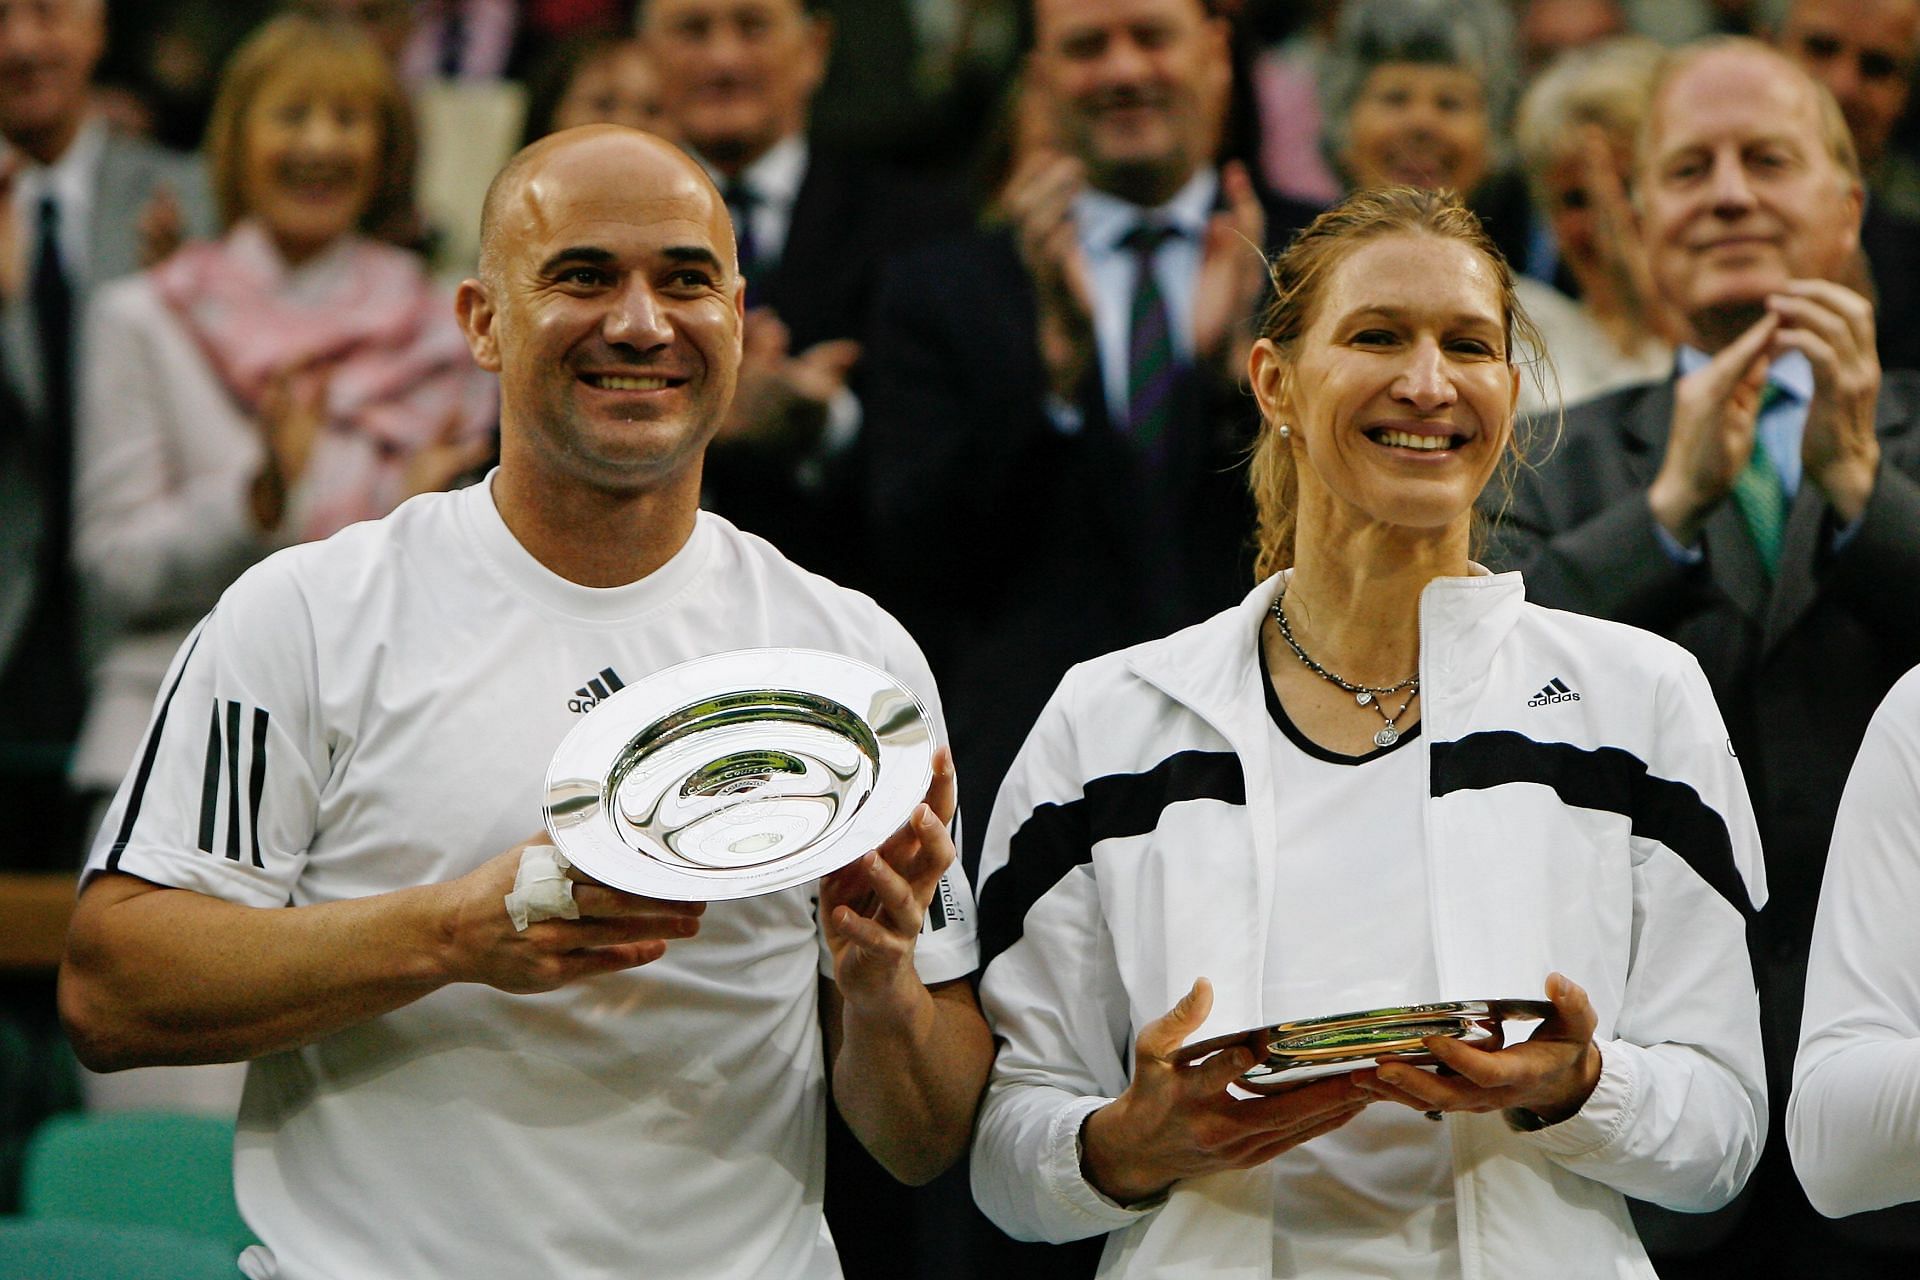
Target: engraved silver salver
x: 739, y: 773
x: 1287, y: 1053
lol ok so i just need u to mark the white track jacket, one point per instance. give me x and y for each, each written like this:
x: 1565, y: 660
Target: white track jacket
x: 1607, y: 836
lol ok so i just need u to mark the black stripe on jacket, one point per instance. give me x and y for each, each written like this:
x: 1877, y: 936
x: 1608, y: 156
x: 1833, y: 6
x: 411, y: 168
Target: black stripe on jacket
x: 1056, y: 838
x: 1606, y: 778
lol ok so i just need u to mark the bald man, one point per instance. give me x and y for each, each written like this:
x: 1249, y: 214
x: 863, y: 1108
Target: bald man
x: 308, y: 869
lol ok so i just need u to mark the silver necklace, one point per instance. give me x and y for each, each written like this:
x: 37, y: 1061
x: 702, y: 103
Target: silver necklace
x: 1365, y: 695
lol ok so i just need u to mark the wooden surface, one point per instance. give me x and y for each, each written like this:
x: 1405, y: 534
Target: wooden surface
x: 34, y: 910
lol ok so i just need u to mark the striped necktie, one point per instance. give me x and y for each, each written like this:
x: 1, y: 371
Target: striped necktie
x: 1151, y: 363
x: 1760, y: 496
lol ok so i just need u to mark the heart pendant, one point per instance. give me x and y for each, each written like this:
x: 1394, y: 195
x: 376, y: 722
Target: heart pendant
x: 1364, y: 698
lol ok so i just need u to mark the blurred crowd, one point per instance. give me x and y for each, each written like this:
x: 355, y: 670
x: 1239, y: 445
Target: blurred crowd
x: 976, y: 384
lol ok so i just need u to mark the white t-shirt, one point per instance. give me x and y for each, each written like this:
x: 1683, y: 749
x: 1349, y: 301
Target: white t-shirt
x: 378, y: 711
x: 1353, y: 931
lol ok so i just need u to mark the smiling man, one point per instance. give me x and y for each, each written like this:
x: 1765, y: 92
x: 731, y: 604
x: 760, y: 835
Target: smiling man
x: 315, y: 884
x: 1758, y: 506
x: 1057, y: 413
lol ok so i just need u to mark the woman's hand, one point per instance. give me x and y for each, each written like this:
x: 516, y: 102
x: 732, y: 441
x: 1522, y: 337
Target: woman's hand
x: 1176, y: 1122
x: 1550, y: 1075
x: 292, y: 413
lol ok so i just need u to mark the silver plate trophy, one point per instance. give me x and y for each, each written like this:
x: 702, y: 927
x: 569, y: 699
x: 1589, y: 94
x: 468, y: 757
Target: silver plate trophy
x: 738, y: 774
x: 1290, y: 1052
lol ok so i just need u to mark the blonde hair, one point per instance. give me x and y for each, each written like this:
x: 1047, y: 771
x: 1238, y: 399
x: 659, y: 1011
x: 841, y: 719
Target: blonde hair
x: 334, y: 56
x: 1299, y: 277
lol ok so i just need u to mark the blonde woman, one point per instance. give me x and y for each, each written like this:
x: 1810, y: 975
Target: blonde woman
x: 1382, y: 779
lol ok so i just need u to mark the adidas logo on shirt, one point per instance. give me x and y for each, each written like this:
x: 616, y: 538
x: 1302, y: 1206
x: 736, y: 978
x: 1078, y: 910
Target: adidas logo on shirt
x: 1555, y: 690
x: 596, y: 691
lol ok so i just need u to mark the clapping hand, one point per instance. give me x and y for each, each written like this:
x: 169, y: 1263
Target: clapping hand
x: 1233, y: 276
x: 1039, y: 201
x: 13, y: 245
x: 1833, y: 327
x: 1710, y: 438
x: 782, y: 400
x: 293, y: 410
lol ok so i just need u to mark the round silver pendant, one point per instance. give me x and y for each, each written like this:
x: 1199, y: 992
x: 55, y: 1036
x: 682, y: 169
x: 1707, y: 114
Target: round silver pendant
x: 1387, y: 736
x: 1364, y: 698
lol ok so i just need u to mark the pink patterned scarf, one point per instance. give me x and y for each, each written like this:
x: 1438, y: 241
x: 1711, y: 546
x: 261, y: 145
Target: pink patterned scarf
x: 398, y: 368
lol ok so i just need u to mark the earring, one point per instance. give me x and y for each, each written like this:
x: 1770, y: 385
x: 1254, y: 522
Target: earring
x: 1286, y: 432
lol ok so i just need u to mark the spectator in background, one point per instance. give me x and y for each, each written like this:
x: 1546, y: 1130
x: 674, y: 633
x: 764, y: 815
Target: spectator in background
x: 1420, y: 93
x: 459, y: 40
x: 1057, y: 410
x: 738, y: 78
x: 1575, y: 134
x: 266, y: 388
x: 595, y: 80
x: 1758, y: 506
x: 74, y: 197
x: 388, y: 23
x: 1286, y: 85
x: 1549, y: 28
x: 1863, y: 51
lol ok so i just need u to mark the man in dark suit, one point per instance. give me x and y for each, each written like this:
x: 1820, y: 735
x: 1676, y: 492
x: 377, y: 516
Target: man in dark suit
x: 75, y: 197
x: 737, y: 81
x: 1057, y: 415
x: 1761, y: 506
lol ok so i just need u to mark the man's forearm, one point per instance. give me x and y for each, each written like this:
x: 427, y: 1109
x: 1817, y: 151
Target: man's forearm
x: 908, y: 1087
x: 165, y: 976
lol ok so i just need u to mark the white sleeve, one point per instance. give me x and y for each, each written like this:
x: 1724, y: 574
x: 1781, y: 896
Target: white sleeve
x: 1680, y: 1112
x: 1051, y: 990
x: 223, y: 794
x: 153, y: 536
x: 1853, y: 1121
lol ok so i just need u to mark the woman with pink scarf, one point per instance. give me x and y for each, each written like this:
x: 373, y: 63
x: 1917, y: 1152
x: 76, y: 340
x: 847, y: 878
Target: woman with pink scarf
x: 268, y: 388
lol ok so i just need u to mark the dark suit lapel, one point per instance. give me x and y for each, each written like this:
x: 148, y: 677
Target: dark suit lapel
x: 1795, y: 588
x: 820, y: 215
x: 1808, y: 526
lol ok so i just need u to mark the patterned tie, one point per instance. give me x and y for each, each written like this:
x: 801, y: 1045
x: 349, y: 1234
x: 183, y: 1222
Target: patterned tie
x: 742, y: 200
x: 1151, y: 363
x: 1760, y: 496
x: 50, y: 296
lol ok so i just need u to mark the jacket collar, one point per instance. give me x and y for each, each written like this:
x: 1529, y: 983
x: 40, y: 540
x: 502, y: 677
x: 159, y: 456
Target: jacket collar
x: 1212, y: 667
